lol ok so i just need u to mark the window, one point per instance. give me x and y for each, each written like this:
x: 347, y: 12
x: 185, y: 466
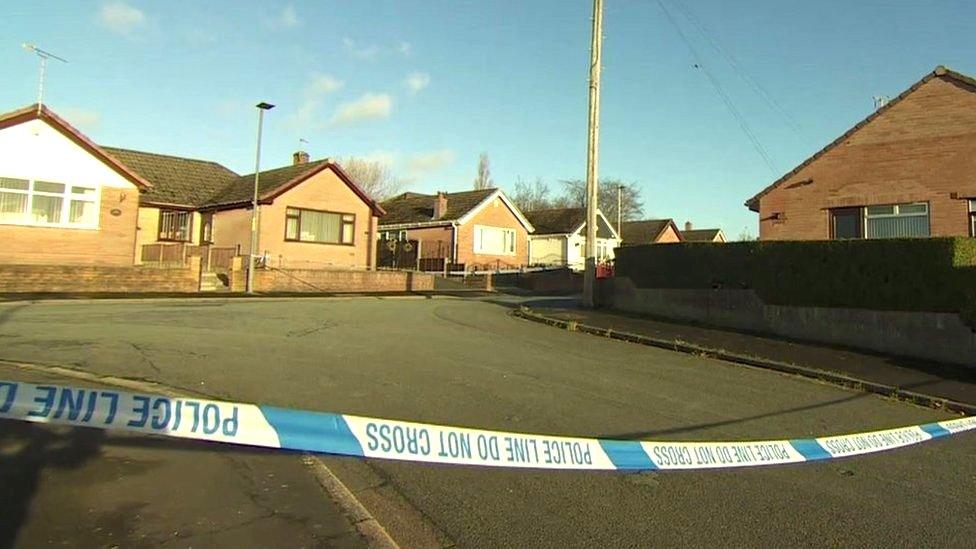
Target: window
x: 602, y: 250
x: 494, y: 240
x: 897, y: 220
x: 846, y: 223
x: 322, y: 227
x: 45, y: 203
x: 972, y: 217
x: 175, y: 225
x: 881, y: 221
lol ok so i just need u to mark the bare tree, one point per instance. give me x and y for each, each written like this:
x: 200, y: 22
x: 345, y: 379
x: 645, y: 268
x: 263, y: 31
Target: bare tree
x: 483, y: 181
x: 631, y: 205
x: 376, y: 178
x: 746, y: 235
x: 532, y: 196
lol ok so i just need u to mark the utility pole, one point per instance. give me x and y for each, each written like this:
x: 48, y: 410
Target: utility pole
x: 592, y: 157
x: 252, y: 255
x: 43, y: 56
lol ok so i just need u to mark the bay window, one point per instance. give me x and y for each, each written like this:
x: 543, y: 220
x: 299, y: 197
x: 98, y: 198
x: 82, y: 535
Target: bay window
x: 320, y: 227
x: 175, y: 225
x: 46, y: 203
x: 494, y: 240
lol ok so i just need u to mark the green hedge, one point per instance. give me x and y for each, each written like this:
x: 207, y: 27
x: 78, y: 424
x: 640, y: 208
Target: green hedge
x: 934, y: 274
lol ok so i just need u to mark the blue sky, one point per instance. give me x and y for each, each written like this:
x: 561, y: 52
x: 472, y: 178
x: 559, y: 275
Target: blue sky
x: 428, y: 85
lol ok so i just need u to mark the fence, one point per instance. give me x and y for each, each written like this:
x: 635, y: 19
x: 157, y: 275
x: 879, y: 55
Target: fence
x: 164, y: 255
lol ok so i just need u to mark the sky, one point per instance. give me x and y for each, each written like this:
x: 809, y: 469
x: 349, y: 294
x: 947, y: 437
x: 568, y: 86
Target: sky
x: 704, y: 102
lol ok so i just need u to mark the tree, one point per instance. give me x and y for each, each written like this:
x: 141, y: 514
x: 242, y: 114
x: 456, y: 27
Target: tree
x: 483, y: 181
x: 746, y: 235
x: 631, y: 205
x: 529, y: 197
x: 376, y: 178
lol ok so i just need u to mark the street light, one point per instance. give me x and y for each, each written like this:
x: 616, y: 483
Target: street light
x: 252, y: 252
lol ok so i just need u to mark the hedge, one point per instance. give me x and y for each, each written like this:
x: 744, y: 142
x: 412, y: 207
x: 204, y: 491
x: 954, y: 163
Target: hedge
x: 912, y: 274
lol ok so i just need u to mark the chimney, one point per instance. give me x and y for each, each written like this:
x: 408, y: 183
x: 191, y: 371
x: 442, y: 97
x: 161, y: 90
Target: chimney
x: 300, y: 157
x: 440, y: 205
x: 688, y: 225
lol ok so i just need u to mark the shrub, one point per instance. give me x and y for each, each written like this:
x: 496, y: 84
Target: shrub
x: 934, y: 274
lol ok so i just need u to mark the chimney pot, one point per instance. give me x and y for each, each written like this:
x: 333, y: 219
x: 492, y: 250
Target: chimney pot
x: 688, y: 225
x: 440, y: 205
x: 300, y: 157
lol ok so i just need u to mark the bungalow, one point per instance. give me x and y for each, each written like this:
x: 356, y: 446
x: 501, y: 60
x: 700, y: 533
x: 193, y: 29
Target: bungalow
x: 479, y: 229
x: 560, y: 237
x: 65, y: 200
x: 649, y: 231
x: 690, y: 234
x: 904, y: 171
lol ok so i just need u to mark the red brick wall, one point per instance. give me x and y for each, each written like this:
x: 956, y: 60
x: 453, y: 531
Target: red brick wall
x: 112, y: 243
x: 922, y: 149
x: 353, y: 281
x: 104, y: 279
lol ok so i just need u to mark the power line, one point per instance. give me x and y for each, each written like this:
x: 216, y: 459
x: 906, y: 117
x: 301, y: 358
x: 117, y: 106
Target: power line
x: 733, y: 62
x: 729, y: 104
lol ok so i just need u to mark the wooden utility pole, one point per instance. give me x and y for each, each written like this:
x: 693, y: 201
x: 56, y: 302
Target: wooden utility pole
x: 592, y: 157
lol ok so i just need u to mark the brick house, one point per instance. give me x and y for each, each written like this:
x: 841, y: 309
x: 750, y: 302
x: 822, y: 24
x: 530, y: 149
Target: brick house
x: 649, y: 231
x: 904, y: 171
x: 560, y: 237
x: 65, y: 200
x: 479, y: 229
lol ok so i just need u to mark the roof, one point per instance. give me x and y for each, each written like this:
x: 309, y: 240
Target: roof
x: 35, y: 111
x: 939, y: 72
x: 646, y: 231
x: 176, y: 180
x: 419, y: 208
x: 700, y: 235
x: 196, y: 183
x: 557, y: 220
x: 241, y: 189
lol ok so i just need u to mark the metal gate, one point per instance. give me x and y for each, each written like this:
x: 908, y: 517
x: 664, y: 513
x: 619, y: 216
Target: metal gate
x: 397, y: 254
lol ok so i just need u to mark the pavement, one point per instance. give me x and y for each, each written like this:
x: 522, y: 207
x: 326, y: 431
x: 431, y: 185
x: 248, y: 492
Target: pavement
x: 940, y: 381
x: 77, y: 487
x: 469, y: 362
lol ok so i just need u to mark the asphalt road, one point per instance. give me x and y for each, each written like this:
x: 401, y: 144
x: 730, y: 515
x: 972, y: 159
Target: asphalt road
x: 467, y: 362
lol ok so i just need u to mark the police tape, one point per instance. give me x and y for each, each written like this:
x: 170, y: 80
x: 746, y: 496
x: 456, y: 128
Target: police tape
x: 349, y: 435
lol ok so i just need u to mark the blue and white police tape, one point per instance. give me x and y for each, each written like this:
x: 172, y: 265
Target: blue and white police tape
x: 349, y: 435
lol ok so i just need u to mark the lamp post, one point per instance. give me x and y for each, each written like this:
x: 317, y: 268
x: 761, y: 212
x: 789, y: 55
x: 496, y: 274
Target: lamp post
x: 255, y: 221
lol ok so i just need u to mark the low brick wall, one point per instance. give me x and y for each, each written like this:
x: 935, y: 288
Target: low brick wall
x: 941, y: 337
x: 327, y: 280
x: 100, y: 279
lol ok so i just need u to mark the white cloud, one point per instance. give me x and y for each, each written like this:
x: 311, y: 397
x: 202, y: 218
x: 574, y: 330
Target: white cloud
x: 323, y: 84
x: 423, y: 164
x: 121, y: 18
x: 417, y: 81
x: 231, y: 109
x: 313, y: 97
x: 83, y: 119
x: 286, y: 19
x: 405, y: 49
x: 366, y: 52
x: 370, y: 106
x: 385, y: 158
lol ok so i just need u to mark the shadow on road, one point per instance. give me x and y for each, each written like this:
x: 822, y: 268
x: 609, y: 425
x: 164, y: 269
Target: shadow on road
x: 698, y: 427
x: 26, y: 450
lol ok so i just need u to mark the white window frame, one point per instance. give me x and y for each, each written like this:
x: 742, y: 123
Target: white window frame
x: 972, y: 217
x: 478, y: 230
x: 66, y: 198
x: 896, y: 212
